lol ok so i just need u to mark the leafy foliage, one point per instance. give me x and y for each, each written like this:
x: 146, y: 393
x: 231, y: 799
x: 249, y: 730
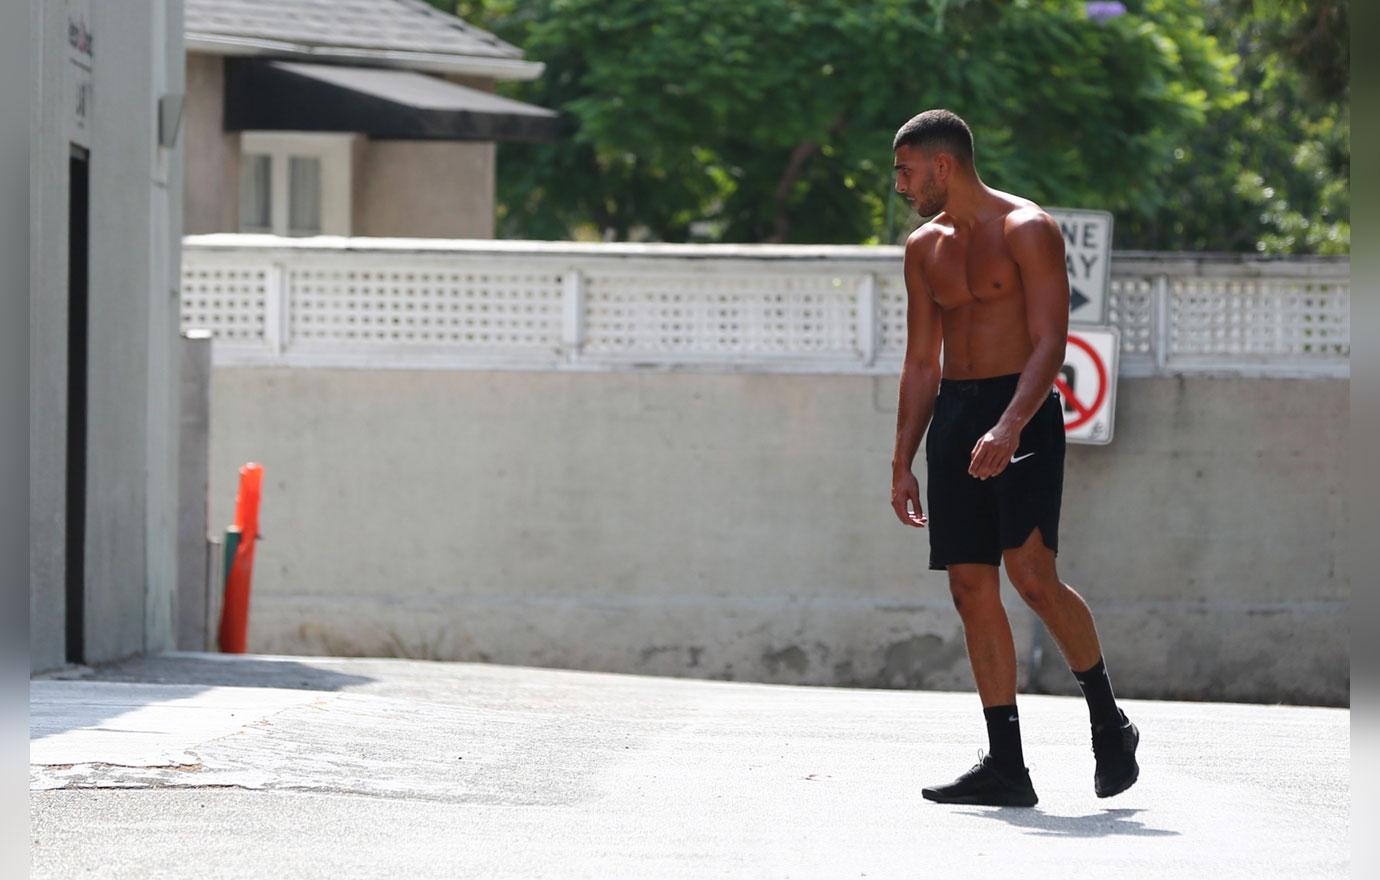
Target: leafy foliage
x: 1269, y: 173
x: 771, y: 120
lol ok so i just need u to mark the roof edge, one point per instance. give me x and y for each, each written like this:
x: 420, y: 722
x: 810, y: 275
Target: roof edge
x: 451, y: 20
x: 470, y: 65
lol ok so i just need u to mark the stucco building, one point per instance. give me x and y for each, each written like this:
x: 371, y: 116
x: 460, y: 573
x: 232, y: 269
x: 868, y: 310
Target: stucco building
x: 105, y: 230
x: 347, y: 117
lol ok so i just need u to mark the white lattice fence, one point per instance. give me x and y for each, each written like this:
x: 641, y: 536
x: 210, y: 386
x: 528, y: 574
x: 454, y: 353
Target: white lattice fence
x: 432, y: 305
x: 1253, y: 317
x: 1131, y: 307
x: 418, y: 303
x: 891, y: 296
x: 226, y: 296
x: 738, y: 312
x: 1231, y: 315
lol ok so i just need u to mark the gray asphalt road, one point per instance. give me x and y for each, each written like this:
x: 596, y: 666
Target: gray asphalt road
x: 199, y: 766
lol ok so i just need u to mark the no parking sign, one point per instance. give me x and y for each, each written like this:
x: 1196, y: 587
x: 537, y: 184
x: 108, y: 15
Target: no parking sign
x: 1087, y: 383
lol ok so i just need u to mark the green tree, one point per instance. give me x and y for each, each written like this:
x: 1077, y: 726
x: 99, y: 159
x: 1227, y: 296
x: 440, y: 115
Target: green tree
x: 1270, y: 172
x: 771, y: 120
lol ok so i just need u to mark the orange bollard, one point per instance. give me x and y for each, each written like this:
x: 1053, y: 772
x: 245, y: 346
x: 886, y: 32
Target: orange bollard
x: 234, y: 617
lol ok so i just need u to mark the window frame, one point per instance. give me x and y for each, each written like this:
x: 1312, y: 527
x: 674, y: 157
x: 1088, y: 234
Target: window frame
x: 334, y: 151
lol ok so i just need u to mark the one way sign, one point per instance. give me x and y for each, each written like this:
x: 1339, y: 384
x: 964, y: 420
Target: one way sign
x: 1088, y: 258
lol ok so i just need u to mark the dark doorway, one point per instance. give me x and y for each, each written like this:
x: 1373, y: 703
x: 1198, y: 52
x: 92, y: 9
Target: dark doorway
x: 78, y: 215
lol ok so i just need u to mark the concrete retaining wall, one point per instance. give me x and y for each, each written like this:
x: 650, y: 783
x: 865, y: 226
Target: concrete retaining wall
x: 737, y: 526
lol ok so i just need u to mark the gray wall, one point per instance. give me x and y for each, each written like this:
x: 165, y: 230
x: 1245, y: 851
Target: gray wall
x: 48, y: 194
x: 194, y: 628
x: 135, y: 256
x: 425, y: 189
x: 738, y: 526
x: 212, y: 202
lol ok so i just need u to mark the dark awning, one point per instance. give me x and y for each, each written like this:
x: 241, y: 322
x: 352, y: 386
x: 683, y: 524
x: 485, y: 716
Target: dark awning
x: 263, y: 95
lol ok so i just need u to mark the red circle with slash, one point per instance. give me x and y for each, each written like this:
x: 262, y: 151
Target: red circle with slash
x: 1085, y: 412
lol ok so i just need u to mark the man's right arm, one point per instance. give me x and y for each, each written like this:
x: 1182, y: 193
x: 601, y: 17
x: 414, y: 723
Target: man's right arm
x: 920, y: 374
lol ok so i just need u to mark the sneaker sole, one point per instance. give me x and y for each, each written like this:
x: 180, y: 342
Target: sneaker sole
x: 931, y: 795
x: 1135, y: 775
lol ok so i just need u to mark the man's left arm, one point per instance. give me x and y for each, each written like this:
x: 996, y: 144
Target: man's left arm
x: 1037, y: 246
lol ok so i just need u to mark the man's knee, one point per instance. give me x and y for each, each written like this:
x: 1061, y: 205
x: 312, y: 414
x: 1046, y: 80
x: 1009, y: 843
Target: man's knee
x: 1036, y: 584
x: 972, y: 591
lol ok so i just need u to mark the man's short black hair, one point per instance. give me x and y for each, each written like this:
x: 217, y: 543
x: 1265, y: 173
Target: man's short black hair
x: 937, y: 130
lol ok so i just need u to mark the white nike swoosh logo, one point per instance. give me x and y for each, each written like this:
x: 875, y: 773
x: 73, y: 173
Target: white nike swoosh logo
x: 1014, y: 459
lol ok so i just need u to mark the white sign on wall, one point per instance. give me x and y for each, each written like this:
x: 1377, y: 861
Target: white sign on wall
x: 77, y: 75
x: 1087, y: 384
x: 1088, y: 258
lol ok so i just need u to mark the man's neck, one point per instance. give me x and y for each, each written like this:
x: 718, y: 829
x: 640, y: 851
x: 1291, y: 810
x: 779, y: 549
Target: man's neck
x: 969, y: 201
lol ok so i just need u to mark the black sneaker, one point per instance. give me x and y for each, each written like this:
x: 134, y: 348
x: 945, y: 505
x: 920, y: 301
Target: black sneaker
x: 986, y: 784
x: 1115, y: 750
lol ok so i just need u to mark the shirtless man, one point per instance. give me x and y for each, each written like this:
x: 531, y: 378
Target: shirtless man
x: 986, y: 279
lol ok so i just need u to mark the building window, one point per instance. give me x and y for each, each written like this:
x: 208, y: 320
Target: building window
x: 255, y: 193
x: 296, y: 183
x: 304, y: 195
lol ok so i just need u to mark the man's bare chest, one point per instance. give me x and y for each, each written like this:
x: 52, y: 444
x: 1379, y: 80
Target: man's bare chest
x: 976, y: 269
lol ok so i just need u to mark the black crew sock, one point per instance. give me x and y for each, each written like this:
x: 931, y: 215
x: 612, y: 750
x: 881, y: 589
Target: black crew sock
x: 1097, y: 690
x: 1004, y: 736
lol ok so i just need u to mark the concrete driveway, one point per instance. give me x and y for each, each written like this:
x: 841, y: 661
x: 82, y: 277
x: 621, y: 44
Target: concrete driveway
x: 204, y: 766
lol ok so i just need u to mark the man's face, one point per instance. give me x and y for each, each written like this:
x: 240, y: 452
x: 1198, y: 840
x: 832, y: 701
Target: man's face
x: 917, y: 182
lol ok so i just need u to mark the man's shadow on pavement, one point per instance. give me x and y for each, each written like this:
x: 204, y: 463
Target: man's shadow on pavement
x: 1107, y: 823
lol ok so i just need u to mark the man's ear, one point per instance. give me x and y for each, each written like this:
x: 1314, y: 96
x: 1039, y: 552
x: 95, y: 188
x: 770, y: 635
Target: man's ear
x: 943, y: 166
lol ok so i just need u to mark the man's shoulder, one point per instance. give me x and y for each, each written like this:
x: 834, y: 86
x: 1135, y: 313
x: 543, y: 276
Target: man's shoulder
x: 1030, y: 230
x: 928, y: 232
x: 1027, y: 217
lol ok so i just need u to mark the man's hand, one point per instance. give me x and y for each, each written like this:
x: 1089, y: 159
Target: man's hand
x: 905, y: 489
x: 993, y: 451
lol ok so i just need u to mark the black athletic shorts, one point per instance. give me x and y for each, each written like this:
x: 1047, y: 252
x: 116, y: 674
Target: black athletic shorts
x: 972, y: 520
